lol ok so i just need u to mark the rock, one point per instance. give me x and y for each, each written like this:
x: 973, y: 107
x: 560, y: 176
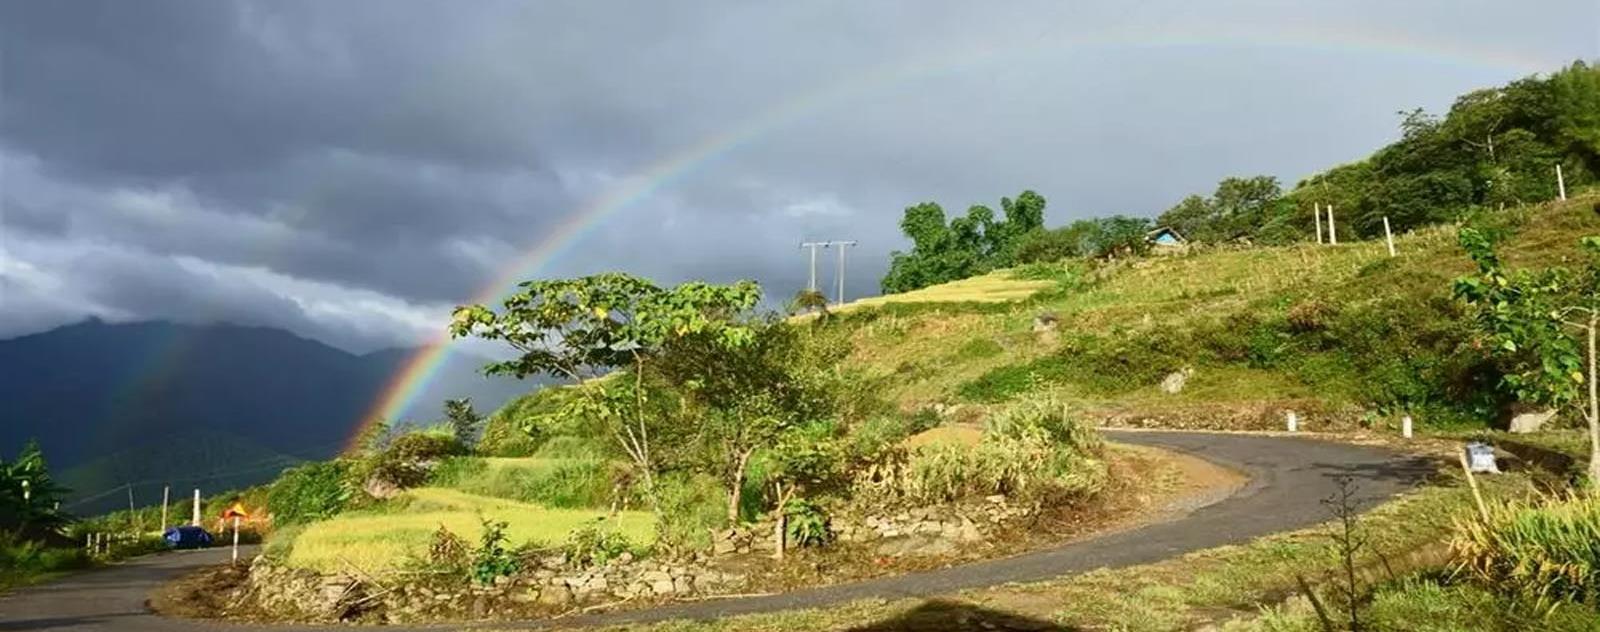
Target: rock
x: 661, y: 587
x: 1045, y: 321
x: 724, y: 547
x: 1173, y: 383
x: 683, y: 585
x: 916, y: 545
x: 555, y: 596
x: 655, y: 576
x: 525, y: 596
x: 625, y: 558
x: 378, y: 488
x: 1530, y: 421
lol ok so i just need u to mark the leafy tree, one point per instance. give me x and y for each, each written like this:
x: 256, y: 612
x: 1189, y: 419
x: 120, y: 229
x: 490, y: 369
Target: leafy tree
x: 30, y: 500
x: 968, y: 245
x: 1531, y: 318
x: 801, y: 458
x: 584, y: 328
x: 753, y: 395
x: 464, y: 421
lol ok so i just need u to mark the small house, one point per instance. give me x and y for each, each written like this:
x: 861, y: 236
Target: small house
x: 1165, y: 240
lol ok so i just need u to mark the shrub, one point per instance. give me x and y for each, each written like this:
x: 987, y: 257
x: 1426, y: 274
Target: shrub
x: 448, y: 551
x: 1548, y: 552
x: 491, y: 559
x: 1033, y: 451
x: 595, y: 544
x: 310, y: 492
x: 807, y: 523
x: 409, y: 459
x: 692, y: 506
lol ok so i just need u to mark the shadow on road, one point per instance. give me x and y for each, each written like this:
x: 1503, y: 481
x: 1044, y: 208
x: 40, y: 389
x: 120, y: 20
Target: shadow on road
x: 939, y: 615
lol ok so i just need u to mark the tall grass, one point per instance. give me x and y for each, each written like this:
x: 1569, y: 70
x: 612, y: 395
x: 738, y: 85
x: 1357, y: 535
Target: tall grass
x: 1549, y: 551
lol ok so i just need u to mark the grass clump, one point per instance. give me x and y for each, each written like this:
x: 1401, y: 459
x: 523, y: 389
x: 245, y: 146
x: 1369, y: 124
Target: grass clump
x: 1031, y: 450
x: 1548, y: 551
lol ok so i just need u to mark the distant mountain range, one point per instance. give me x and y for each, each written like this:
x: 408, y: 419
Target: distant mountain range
x: 213, y: 406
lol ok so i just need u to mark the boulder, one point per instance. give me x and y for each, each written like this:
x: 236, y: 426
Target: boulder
x: 555, y: 596
x: 1530, y: 420
x: 916, y: 545
x: 1174, y: 382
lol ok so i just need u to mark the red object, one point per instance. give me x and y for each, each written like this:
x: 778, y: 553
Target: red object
x: 236, y: 511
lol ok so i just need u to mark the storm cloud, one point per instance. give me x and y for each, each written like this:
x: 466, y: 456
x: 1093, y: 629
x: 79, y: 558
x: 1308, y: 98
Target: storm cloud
x: 352, y: 170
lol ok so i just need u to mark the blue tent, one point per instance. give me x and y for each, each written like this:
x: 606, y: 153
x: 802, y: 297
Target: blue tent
x: 187, y: 537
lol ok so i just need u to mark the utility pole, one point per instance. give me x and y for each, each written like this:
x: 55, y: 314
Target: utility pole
x: 813, y: 245
x: 1333, y: 232
x: 1561, y: 183
x: 839, y: 274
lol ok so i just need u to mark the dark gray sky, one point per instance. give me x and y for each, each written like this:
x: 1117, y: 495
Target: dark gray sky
x: 351, y: 170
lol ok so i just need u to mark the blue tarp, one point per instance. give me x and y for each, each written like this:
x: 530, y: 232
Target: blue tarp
x: 187, y: 537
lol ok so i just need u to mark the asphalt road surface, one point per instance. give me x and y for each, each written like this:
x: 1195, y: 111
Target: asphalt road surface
x: 1289, y: 477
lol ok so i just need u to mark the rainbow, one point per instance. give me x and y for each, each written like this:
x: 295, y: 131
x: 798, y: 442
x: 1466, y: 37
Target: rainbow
x: 403, y: 388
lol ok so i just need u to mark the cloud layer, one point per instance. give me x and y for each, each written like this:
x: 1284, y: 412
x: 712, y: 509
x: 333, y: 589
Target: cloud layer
x: 350, y: 172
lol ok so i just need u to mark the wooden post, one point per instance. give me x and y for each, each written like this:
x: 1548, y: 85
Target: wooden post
x: 1388, y: 235
x: 1316, y: 214
x: 165, y: 489
x: 1333, y: 230
x: 236, y: 539
x: 194, y: 518
x: 1561, y: 183
x: 1472, y: 481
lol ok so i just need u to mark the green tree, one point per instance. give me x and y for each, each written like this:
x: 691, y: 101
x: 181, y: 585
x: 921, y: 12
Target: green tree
x: 1533, y: 320
x: 585, y: 328
x: 464, y: 421
x: 968, y: 245
x: 30, y: 499
x: 752, y: 395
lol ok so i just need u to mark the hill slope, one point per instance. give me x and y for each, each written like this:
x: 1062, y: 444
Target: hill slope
x: 1345, y: 333
x: 225, y: 404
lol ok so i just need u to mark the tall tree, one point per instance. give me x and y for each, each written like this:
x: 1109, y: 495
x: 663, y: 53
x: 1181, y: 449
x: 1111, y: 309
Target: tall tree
x: 1534, y: 321
x: 585, y: 328
x: 464, y: 421
x: 968, y: 245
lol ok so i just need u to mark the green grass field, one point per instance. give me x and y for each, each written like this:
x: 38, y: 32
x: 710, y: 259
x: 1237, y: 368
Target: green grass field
x: 383, y: 540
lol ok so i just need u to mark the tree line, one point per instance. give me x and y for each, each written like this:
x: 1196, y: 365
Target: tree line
x: 1493, y: 147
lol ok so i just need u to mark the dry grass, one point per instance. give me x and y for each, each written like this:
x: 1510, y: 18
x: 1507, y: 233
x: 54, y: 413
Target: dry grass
x: 377, y: 542
x: 995, y: 287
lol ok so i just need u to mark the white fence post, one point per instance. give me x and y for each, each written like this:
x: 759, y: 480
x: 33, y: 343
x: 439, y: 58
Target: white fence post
x: 1405, y: 426
x: 1388, y: 235
x: 1293, y: 421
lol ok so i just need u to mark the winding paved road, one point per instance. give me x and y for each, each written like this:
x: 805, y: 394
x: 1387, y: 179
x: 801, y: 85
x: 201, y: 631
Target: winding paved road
x: 1288, y: 478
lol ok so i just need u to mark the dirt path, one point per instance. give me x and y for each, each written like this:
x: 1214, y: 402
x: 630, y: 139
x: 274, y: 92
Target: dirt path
x: 1289, y: 477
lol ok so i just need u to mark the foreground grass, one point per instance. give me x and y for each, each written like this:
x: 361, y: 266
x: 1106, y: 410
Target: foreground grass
x: 1250, y: 586
x: 384, y: 540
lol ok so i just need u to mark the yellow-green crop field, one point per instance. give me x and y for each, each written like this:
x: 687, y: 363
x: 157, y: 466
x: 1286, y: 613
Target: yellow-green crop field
x: 375, y: 542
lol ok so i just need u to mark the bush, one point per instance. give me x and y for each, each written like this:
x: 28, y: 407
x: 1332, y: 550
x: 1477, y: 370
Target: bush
x: 691, y: 507
x: 1031, y: 452
x: 491, y: 559
x: 595, y: 544
x: 410, y: 458
x: 808, y: 524
x: 310, y: 492
x: 1549, y: 552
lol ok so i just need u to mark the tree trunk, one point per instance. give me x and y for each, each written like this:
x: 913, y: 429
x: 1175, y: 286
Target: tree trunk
x: 736, y: 487
x: 780, y: 528
x: 1594, y: 404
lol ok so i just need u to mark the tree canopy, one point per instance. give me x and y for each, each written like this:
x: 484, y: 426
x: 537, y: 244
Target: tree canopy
x: 1497, y: 146
x: 968, y: 245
